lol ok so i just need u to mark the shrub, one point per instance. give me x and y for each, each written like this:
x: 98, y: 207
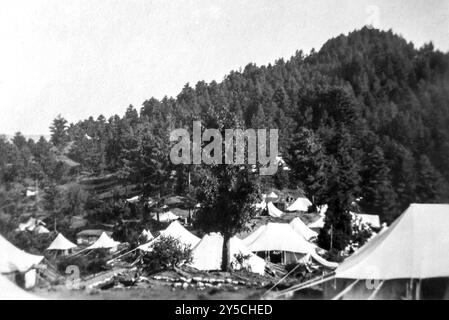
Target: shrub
x: 95, y: 262
x: 240, y: 260
x: 166, y: 253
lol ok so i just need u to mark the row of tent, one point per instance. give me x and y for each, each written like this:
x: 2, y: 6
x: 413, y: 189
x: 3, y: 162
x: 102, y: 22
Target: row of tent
x: 61, y: 243
x: 291, y: 239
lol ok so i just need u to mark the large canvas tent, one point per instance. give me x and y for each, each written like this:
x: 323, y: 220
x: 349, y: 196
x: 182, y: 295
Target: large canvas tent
x: 167, y: 216
x: 12, y: 259
x: 273, y: 211
x: 104, y: 242
x: 280, y: 237
x: 301, y: 228
x: 411, y: 255
x: 177, y: 231
x: 10, y: 291
x: 414, y: 246
x: 207, y: 254
x: 61, y: 243
x: 300, y: 204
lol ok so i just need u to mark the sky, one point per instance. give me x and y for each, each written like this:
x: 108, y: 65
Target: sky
x: 82, y: 58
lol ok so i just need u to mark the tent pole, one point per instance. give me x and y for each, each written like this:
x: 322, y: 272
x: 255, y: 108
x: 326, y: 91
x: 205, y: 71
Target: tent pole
x: 372, y: 295
x: 346, y: 290
x: 307, y: 284
x: 418, y: 290
x: 280, y: 280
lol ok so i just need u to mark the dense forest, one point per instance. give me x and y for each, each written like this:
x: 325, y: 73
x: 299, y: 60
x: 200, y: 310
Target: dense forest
x: 366, y: 116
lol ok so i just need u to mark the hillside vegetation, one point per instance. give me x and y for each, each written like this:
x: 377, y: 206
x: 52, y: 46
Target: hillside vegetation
x: 366, y: 116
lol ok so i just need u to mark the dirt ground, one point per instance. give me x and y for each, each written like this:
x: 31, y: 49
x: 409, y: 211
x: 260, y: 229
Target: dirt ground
x: 151, y: 292
x: 162, y: 291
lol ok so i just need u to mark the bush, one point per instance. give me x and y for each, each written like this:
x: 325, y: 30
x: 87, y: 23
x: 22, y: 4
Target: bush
x: 93, y: 263
x: 166, y: 253
x: 240, y: 260
x: 31, y: 242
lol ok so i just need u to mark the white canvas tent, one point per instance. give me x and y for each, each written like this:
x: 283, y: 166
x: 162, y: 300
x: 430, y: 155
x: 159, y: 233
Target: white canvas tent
x: 272, y: 195
x: 177, y: 231
x: 12, y: 259
x: 41, y: 230
x: 10, y: 291
x: 104, y: 242
x: 279, y: 237
x: 61, y: 243
x: 301, y: 228
x: 300, y: 204
x: 250, y: 238
x: 207, y: 254
x: 282, y: 237
x: 273, y: 211
x: 167, y: 216
x: 30, y: 225
x: 413, y: 247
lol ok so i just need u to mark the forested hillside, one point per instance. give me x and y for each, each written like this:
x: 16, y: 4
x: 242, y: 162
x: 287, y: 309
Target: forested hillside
x: 365, y: 116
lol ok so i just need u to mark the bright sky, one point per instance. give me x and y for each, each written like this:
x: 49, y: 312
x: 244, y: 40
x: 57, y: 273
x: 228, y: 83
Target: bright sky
x: 84, y: 57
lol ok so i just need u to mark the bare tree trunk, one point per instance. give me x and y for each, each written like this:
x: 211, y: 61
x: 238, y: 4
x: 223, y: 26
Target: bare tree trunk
x: 226, y: 259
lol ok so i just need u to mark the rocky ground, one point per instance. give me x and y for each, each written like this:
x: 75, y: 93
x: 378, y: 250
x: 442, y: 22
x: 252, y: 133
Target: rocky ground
x: 181, y: 284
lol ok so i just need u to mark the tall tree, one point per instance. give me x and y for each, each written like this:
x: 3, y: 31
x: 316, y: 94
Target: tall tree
x: 58, y: 131
x: 226, y: 197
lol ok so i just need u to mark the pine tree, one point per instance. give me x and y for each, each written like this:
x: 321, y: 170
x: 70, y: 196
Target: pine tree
x: 378, y: 196
x: 59, y: 131
x: 307, y: 160
x: 429, y: 186
x: 341, y: 190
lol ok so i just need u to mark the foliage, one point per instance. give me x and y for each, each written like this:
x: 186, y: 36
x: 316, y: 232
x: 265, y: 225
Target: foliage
x: 227, y: 199
x: 166, y: 253
x: 30, y: 241
x: 365, y: 116
x: 94, y: 263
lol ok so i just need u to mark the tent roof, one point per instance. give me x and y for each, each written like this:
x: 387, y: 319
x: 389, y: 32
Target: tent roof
x: 300, y: 204
x: 207, y: 254
x: 272, y: 195
x: 61, y: 243
x: 104, y: 242
x: 414, y: 246
x: 13, y: 259
x: 177, y: 231
x: 249, y: 239
x: 10, y: 291
x: 41, y: 230
x: 302, y: 229
x: 273, y: 211
x: 134, y: 199
x: 279, y: 237
x: 167, y: 216
x: 92, y: 233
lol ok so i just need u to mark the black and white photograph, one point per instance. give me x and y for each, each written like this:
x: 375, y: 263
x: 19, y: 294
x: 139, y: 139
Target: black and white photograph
x: 248, y: 151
